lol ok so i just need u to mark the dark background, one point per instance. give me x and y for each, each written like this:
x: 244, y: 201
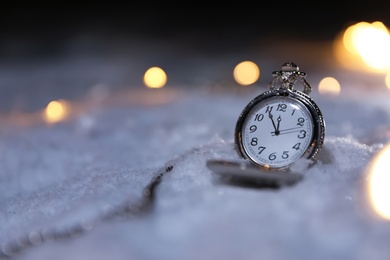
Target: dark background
x: 44, y: 27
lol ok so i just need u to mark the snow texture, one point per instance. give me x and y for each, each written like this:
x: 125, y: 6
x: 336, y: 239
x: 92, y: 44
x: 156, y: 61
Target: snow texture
x: 53, y: 177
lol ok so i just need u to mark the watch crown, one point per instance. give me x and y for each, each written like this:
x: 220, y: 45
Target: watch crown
x: 287, y: 77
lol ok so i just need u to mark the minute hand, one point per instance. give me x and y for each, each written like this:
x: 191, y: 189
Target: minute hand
x: 288, y: 130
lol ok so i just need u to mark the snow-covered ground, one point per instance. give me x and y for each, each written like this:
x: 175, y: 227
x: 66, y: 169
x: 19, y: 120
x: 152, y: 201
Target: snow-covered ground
x: 74, y: 190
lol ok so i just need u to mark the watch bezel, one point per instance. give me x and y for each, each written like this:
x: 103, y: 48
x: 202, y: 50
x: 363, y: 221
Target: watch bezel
x: 318, y: 136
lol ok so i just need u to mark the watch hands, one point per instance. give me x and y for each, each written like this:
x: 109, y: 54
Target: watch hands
x: 273, y: 123
x: 287, y: 131
x: 276, y: 127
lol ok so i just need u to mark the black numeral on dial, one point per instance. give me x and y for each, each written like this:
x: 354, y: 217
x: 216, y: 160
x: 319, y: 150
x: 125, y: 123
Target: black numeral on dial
x: 301, y: 121
x: 252, y: 128
x: 261, y: 149
x: 259, y: 117
x: 282, y: 107
x: 296, y: 146
x: 254, y: 141
x: 302, y: 134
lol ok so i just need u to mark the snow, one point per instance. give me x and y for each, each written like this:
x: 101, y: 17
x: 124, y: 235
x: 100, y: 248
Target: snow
x: 73, y: 173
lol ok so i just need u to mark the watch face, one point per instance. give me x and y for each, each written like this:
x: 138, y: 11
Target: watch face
x: 276, y: 131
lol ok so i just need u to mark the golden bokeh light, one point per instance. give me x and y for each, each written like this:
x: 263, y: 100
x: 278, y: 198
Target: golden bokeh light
x: 373, y: 45
x: 387, y: 80
x: 364, y: 46
x: 155, y: 77
x: 329, y: 86
x: 246, y: 73
x: 349, y: 35
x: 379, y: 183
x: 56, y: 110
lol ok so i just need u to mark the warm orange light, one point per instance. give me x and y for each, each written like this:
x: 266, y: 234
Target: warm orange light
x: 350, y: 36
x: 246, y: 73
x: 373, y: 45
x: 387, y: 80
x: 56, y: 111
x: 379, y: 183
x: 329, y: 86
x: 345, y: 53
x: 155, y: 77
x: 366, y: 44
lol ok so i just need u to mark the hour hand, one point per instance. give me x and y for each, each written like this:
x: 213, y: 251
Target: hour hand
x: 272, y: 120
x: 277, y: 127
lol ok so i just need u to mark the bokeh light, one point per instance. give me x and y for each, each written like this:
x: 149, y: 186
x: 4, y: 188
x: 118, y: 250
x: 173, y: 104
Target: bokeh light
x: 373, y: 45
x: 155, y: 77
x: 387, y: 80
x: 364, y: 46
x: 379, y: 183
x: 246, y: 73
x: 56, y: 110
x: 329, y: 86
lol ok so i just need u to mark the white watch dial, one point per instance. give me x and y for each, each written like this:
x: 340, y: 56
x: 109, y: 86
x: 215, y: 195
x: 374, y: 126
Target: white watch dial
x: 277, y: 131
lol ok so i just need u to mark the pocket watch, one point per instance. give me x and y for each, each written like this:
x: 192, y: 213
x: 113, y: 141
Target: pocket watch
x: 281, y: 125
